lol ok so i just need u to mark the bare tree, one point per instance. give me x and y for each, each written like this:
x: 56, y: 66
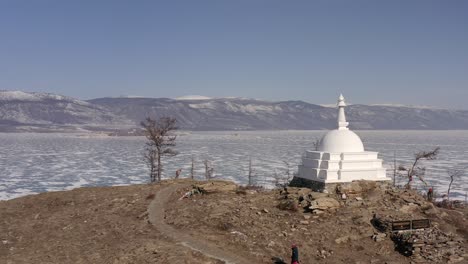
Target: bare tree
x: 415, y: 169
x: 316, y: 144
x: 283, y: 179
x: 177, y: 173
x: 453, y: 174
x: 159, y: 133
x: 250, y: 173
x: 192, y: 169
x: 394, y: 168
x: 151, y: 156
x: 208, y: 169
x: 287, y: 171
x: 276, y: 178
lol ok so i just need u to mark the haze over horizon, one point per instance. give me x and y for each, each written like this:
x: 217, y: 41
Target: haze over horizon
x: 374, y: 52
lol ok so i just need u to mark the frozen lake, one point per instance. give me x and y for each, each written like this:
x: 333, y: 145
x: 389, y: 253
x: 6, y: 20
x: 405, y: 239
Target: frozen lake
x: 33, y: 163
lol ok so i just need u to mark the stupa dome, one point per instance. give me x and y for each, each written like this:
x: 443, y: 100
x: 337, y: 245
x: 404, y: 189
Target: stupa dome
x: 341, y: 141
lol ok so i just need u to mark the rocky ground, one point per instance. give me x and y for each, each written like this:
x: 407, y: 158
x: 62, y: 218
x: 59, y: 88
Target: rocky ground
x: 110, y: 225
x: 87, y: 225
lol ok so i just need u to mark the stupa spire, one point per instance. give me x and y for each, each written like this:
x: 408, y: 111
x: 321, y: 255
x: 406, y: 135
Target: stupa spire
x: 342, y: 124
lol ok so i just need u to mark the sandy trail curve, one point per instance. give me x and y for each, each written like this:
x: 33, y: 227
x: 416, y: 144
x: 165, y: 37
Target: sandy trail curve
x: 156, y: 215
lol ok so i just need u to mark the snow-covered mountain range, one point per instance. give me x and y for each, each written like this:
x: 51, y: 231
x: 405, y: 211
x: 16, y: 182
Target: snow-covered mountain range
x: 45, y: 111
x: 22, y: 109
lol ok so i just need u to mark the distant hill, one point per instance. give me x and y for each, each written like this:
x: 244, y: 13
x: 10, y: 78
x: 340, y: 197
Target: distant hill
x: 46, y: 111
x: 21, y: 110
x: 224, y: 113
x: 249, y: 114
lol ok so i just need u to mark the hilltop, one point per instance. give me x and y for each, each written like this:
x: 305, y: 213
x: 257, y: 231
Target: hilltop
x: 216, y: 220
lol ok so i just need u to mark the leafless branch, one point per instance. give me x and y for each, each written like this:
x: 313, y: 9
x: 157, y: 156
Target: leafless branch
x: 415, y: 169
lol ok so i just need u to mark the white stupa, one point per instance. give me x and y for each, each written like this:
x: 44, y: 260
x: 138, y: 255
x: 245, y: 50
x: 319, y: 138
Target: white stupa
x: 341, y: 157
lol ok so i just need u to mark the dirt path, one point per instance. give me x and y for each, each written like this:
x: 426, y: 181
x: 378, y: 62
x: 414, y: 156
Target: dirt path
x: 156, y: 214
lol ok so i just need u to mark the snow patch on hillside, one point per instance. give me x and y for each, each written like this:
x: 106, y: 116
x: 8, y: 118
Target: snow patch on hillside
x: 407, y: 106
x: 251, y: 108
x: 36, y: 97
x: 17, y: 96
x: 328, y: 105
x: 230, y: 106
x: 209, y: 105
x: 130, y: 96
x: 193, y: 97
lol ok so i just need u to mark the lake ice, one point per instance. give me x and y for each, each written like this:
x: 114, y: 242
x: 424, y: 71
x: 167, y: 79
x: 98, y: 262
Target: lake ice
x: 33, y: 163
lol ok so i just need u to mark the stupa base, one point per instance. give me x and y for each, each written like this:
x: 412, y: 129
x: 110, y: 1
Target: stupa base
x: 318, y: 186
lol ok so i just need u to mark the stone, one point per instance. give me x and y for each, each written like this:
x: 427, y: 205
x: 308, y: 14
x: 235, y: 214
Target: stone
x: 288, y: 204
x: 142, y: 215
x: 455, y: 259
x: 350, y: 188
x: 218, y: 186
x: 431, y: 212
x: 410, y: 208
x: 304, y: 203
x: 303, y: 191
x: 324, y: 203
x: 427, y: 206
x: 342, y: 239
x: 304, y: 222
x: 379, y: 237
x: 318, y: 195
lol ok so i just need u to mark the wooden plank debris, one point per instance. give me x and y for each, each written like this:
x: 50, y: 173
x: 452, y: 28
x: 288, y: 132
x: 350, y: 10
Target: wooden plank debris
x: 411, y: 224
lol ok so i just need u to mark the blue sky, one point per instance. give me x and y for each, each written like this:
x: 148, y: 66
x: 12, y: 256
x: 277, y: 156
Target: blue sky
x: 406, y: 52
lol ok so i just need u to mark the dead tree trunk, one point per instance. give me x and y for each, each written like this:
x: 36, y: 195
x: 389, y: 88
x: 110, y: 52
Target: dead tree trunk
x: 192, y: 168
x: 208, y: 170
x: 250, y: 173
x: 453, y: 174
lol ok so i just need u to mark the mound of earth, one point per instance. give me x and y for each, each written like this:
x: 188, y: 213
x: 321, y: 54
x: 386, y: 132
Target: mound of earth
x: 186, y: 221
